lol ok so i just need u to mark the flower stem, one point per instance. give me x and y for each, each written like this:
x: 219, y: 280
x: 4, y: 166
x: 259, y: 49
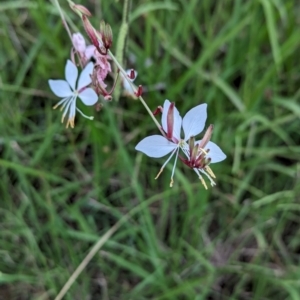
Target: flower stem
x: 135, y: 90
x: 63, y: 18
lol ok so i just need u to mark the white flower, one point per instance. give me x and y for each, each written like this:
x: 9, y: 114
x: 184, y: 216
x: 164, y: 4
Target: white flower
x: 193, y: 123
x: 66, y: 90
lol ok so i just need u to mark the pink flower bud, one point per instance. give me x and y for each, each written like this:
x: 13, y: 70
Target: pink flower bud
x: 139, y: 91
x: 78, y: 42
x: 80, y: 9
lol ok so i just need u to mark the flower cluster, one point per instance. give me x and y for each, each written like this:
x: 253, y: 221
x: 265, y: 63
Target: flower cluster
x: 94, y: 61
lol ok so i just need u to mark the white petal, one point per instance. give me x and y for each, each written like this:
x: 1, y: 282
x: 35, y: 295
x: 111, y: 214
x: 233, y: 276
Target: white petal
x: 84, y: 78
x: 60, y: 88
x: 215, y: 153
x: 71, y: 74
x: 155, y: 146
x: 177, y: 120
x: 88, y: 96
x: 194, y: 121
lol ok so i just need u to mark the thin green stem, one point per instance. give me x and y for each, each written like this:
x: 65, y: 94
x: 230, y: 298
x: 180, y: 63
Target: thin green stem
x: 135, y: 90
x: 63, y: 18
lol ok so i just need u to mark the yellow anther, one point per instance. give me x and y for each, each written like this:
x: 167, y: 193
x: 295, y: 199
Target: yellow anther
x: 203, y: 182
x: 203, y: 151
x: 160, y: 171
x: 55, y: 106
x: 210, y: 172
x: 171, y: 182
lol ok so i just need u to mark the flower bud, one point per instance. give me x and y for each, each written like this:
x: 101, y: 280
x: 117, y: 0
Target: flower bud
x: 91, y: 32
x: 139, y: 91
x: 79, y: 9
x: 78, y: 42
x: 131, y: 74
x: 158, y: 110
x: 106, y: 34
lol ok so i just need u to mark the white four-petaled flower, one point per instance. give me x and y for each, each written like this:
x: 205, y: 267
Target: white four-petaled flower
x: 69, y: 91
x: 192, y: 124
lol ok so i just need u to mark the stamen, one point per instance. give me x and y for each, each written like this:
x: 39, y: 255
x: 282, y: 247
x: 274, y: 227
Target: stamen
x: 210, y: 172
x: 160, y: 171
x: 71, y: 122
x: 162, y: 168
x: 203, y: 182
x: 205, y: 152
x: 208, y: 176
x: 67, y: 104
x: 65, y: 100
x: 172, y: 181
x: 88, y: 117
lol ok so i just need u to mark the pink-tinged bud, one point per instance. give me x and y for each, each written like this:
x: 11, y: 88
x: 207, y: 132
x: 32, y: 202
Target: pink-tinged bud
x: 91, y: 32
x: 158, y: 110
x: 78, y: 42
x: 207, y: 137
x: 107, y: 97
x: 80, y: 9
x: 131, y: 75
x: 139, y: 91
x: 170, y: 121
x: 106, y: 34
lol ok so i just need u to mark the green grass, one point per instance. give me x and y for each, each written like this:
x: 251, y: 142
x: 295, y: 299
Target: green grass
x: 61, y: 190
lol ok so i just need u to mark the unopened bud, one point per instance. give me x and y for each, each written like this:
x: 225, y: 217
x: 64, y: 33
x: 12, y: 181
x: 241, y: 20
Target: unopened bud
x: 91, y: 32
x: 107, y: 97
x: 79, y: 9
x: 106, y: 34
x: 139, y: 91
x: 78, y: 42
x: 158, y: 110
x: 131, y: 74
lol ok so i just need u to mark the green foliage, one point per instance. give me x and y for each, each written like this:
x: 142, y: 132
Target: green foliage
x: 62, y: 190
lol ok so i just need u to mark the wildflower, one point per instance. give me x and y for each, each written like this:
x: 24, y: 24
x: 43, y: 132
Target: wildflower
x: 193, y: 123
x: 66, y: 89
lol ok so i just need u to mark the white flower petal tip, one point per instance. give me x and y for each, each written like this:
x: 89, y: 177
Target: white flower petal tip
x: 215, y: 153
x: 67, y: 90
x: 194, y: 121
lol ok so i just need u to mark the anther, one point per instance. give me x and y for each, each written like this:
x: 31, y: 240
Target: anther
x: 203, y: 182
x: 160, y: 171
x: 210, y: 172
x: 171, y: 182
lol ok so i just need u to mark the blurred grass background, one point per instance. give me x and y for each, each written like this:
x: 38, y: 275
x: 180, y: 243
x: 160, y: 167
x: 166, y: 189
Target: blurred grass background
x: 61, y: 189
